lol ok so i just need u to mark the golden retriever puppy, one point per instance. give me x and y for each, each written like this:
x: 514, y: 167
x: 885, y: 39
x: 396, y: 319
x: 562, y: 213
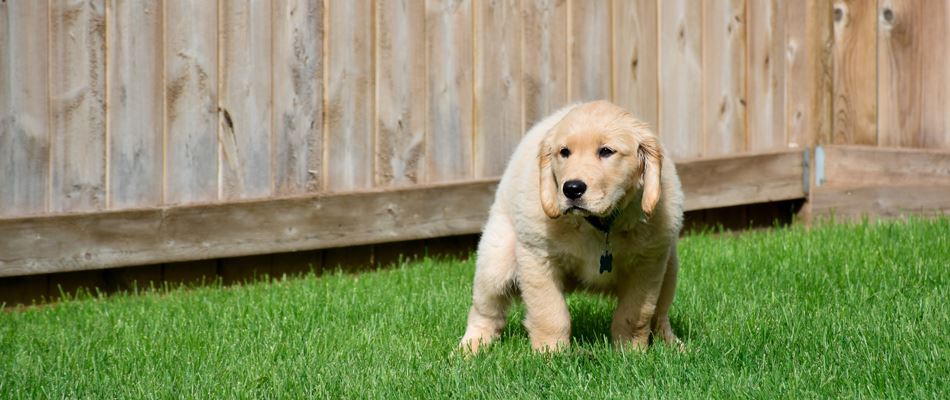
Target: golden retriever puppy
x: 587, y: 201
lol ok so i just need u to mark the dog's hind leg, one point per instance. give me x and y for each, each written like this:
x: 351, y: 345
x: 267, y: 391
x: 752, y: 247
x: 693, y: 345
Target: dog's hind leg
x: 661, y: 320
x: 493, y: 285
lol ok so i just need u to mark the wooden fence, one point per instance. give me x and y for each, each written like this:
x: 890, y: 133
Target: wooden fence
x: 114, y: 111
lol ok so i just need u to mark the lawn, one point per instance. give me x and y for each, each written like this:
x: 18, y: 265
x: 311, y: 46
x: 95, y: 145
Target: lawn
x: 835, y: 311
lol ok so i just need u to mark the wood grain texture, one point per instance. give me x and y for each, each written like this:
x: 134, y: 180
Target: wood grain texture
x: 724, y: 78
x: 912, y: 84
x: 24, y: 108
x: 881, y: 202
x: 498, y: 90
x: 747, y: 179
x: 635, y: 57
x: 135, y: 67
x: 244, y: 68
x: 449, y: 133
x: 808, y: 72
x: 78, y: 111
x: 766, y: 76
x: 298, y: 95
x: 590, y: 47
x: 401, y: 87
x: 172, y: 234
x: 545, y: 59
x: 899, y: 73
x: 935, y: 75
x: 849, y: 166
x: 191, y: 101
x: 855, y: 72
x: 350, y: 114
x: 681, y: 76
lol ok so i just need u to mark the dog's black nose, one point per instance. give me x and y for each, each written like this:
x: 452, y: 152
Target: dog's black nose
x: 574, y: 189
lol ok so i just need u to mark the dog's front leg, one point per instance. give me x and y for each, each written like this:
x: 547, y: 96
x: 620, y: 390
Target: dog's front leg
x: 548, y: 320
x: 637, y: 295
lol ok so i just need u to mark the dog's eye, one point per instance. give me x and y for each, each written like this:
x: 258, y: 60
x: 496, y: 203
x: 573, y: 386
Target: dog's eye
x: 565, y: 152
x: 605, y: 152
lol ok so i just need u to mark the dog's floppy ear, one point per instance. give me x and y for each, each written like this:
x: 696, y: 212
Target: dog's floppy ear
x: 546, y: 181
x: 651, y: 158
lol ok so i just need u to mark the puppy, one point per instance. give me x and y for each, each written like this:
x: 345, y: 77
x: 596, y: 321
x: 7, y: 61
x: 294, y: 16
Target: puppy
x: 588, y: 201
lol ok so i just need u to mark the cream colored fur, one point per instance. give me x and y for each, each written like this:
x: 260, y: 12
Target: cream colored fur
x: 536, y: 245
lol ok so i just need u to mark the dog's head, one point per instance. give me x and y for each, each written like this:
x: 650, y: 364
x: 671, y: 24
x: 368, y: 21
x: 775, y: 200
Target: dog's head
x: 595, y: 160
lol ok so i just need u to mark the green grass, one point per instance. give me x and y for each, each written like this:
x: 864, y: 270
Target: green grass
x: 836, y: 311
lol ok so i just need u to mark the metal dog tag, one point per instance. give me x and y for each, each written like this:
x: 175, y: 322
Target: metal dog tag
x: 606, y: 262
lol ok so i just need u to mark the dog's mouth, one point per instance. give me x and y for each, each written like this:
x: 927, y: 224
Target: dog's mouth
x: 578, y: 210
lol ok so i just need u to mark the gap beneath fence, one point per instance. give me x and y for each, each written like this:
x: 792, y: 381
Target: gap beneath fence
x: 46, y: 288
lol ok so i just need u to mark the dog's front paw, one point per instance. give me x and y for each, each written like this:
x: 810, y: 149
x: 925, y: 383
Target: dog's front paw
x: 549, y: 344
x: 472, y: 343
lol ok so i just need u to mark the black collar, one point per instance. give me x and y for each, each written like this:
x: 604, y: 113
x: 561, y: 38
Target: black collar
x: 602, y: 224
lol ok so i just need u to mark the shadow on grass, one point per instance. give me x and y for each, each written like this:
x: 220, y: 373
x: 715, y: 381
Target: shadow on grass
x: 591, y: 316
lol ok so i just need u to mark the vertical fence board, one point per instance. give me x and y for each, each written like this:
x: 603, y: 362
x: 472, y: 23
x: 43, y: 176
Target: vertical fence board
x: 349, y: 108
x: 724, y: 78
x: 245, y: 98
x: 545, y: 58
x: 24, y: 113
x: 77, y: 98
x: 449, y: 60
x: 191, y: 101
x: 808, y: 72
x: 855, y: 72
x: 899, y: 73
x: 135, y: 109
x: 401, y: 87
x: 590, y: 50
x: 935, y: 75
x: 298, y: 95
x: 498, y: 98
x: 635, y: 58
x: 766, y: 76
x: 681, y: 77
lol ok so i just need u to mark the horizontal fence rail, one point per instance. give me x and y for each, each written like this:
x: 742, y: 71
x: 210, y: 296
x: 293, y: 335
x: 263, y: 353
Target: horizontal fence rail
x: 167, y: 234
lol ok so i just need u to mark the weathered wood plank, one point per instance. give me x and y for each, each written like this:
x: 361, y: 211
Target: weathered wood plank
x: 855, y: 72
x: 757, y: 178
x: 635, y: 58
x: 244, y: 67
x: 545, y: 59
x: 191, y: 101
x: 724, y: 78
x: 401, y: 87
x: 935, y: 75
x: 173, y: 234
x: 899, y: 73
x: 24, y: 107
x: 298, y: 95
x: 864, y: 165
x: 136, y: 117
x: 681, y: 73
x: 498, y: 91
x: 857, y: 203
x: 590, y: 48
x: 766, y: 75
x: 349, y: 110
x: 808, y: 72
x: 78, y: 110
x: 449, y: 57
